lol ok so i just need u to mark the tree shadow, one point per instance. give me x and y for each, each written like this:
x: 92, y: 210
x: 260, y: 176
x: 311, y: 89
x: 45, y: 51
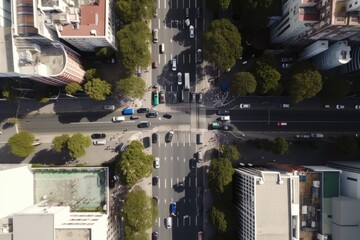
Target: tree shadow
x: 7, y: 156
x: 49, y: 156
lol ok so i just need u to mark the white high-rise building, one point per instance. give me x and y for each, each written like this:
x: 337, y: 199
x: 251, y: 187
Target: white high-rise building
x: 336, y: 55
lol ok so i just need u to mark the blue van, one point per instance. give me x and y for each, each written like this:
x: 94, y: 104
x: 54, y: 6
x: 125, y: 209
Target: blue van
x: 128, y: 111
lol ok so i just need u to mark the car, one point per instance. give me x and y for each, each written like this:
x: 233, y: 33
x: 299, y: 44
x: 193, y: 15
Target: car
x: 169, y: 136
x: 144, y: 125
x: 214, y: 125
x: 302, y: 136
x: 226, y: 127
x: 285, y: 105
x: 154, y: 137
x: 192, y: 31
x: 179, y: 78
x: 222, y: 112
x: 187, y: 22
x: 173, y: 209
x: 152, y: 114
x: 99, y: 142
x: 157, y: 162
x: 286, y: 65
x: 156, y: 12
x: 279, y: 124
x: 340, y: 107
x: 244, y: 105
x: 98, y: 135
x: 155, y: 181
x: 357, y: 107
x: 193, y: 97
x: 198, y: 12
x: 200, y: 98
x: 327, y: 106
x: 155, y: 96
x: 155, y: 35
x: 109, y: 107
x: 286, y: 59
x: 118, y: 119
x: 199, y: 56
x: 162, y: 97
x: 174, y: 98
x: 120, y: 148
x: 143, y: 110
x: 187, y: 12
x: 317, y: 135
x: 154, y: 236
x: 193, y: 163
x: 167, y: 115
x: 173, y: 64
x: 168, y: 222
x: 244, y: 62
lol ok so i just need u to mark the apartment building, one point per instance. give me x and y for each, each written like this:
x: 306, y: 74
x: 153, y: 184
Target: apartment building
x: 336, y: 55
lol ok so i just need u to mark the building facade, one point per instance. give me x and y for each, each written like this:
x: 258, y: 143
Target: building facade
x: 336, y: 55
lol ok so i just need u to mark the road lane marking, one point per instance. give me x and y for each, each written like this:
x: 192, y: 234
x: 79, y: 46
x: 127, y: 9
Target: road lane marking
x: 189, y: 220
x: 184, y: 159
x: 189, y: 58
x: 177, y: 159
x: 159, y: 24
x: 171, y: 158
x: 171, y: 181
x: 196, y: 221
x: 159, y: 222
x: 177, y: 4
x: 184, y: 143
x: 165, y: 4
x: 165, y: 183
x: 177, y: 221
x: 165, y: 59
x: 183, y: 59
x: 164, y: 159
x: 177, y: 181
x: 189, y: 139
x: 159, y: 183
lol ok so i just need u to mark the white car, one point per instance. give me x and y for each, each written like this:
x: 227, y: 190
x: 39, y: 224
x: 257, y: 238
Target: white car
x: 157, y: 162
x: 192, y: 31
x: 179, y: 78
x: 340, y: 107
x: 357, y: 107
x: 245, y: 105
x: 173, y: 64
x: 187, y: 22
x: 118, y: 119
x: 286, y: 65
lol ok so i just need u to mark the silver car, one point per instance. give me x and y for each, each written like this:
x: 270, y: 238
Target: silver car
x: 179, y: 78
x: 192, y: 31
x: 173, y: 64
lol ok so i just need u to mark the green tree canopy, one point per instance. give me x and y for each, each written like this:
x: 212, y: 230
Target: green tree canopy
x: 59, y: 143
x: 217, y: 219
x: 215, y: 5
x: 267, y: 77
x: 90, y: 74
x: 220, y: 174
x: 230, y: 151
x: 305, y: 84
x: 131, y: 87
x: 222, y: 43
x: 77, y: 145
x: 21, y: 144
x: 243, y: 84
x: 97, y: 89
x: 72, y: 88
x: 134, y: 164
x: 104, y: 52
x: 281, y: 145
x: 346, y: 145
x: 334, y: 89
x: 133, y: 47
x: 137, y: 211
x: 129, y: 11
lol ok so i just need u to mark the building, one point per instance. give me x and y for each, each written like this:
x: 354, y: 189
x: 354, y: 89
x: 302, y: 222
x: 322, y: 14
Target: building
x: 314, y: 49
x: 333, y: 20
x: 267, y: 204
x: 337, y: 54
x: 352, y: 67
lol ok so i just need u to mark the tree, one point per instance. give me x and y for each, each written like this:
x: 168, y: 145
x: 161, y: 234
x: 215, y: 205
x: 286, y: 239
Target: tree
x: 305, y: 84
x: 133, y: 48
x: 9, y: 92
x: 137, y: 211
x: 230, y: 152
x: 134, y: 164
x: 335, y: 89
x: 129, y: 11
x: 281, y: 145
x: 104, y: 52
x: 21, y: 144
x: 72, y: 88
x: 77, y: 145
x: 346, y: 145
x: 215, y: 5
x: 97, y: 89
x: 217, y: 219
x: 59, y: 143
x: 267, y: 77
x: 90, y: 74
x: 131, y: 87
x: 222, y: 44
x: 243, y: 84
x: 220, y: 174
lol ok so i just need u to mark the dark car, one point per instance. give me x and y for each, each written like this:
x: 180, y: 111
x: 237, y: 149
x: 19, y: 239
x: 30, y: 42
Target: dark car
x: 155, y: 181
x: 199, y: 56
x: 222, y: 112
x: 200, y: 98
x: 167, y: 115
x: 152, y: 115
x: 155, y: 236
x: 154, y: 137
x: 120, y: 148
x: 193, y: 163
x: 144, y: 125
x: 193, y: 97
x: 98, y: 136
x: 169, y: 136
x: 174, y: 98
x: 143, y: 110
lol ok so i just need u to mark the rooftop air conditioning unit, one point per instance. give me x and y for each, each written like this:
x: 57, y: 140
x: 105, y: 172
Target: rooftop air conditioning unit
x: 261, y: 182
x: 93, y: 32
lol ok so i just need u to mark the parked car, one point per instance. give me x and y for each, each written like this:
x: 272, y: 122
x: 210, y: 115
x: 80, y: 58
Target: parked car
x: 327, y: 106
x: 199, y: 56
x: 280, y: 124
x: 167, y: 116
x: 99, y: 142
x: 98, y: 135
x: 144, y: 125
x: 155, y: 98
x: 169, y: 136
x: 154, y: 137
x: 245, y: 105
x: 155, y: 236
x: 179, y: 78
x: 285, y: 105
x: 143, y: 110
x: 200, y: 98
x: 155, y: 35
x: 120, y: 148
x: 192, y: 31
x: 173, y: 64
x: 155, y: 181
x: 157, y: 162
x: 168, y: 222
x: 152, y: 115
x: 340, y: 107
x: 357, y: 107
x: 215, y: 125
x: 109, y: 107
x: 162, y: 97
x: 118, y: 119
x: 173, y: 209
x: 187, y: 22
x: 222, y: 112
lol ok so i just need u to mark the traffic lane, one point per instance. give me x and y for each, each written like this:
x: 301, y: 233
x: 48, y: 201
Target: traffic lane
x: 295, y: 115
x: 297, y: 126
